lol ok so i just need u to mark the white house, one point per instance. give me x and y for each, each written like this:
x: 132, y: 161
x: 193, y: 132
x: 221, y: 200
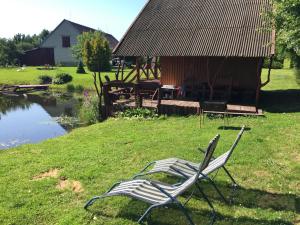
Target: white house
x: 56, y: 48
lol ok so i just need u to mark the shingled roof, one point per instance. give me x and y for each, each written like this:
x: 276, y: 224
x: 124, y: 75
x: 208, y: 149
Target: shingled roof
x: 226, y: 28
x: 113, y: 42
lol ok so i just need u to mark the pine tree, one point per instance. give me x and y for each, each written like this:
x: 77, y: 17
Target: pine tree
x: 80, y: 68
x: 96, y: 56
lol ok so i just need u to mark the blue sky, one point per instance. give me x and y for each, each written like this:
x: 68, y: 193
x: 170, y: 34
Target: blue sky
x: 31, y: 16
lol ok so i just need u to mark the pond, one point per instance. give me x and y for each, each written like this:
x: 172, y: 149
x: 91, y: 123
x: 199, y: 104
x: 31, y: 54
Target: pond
x: 31, y: 118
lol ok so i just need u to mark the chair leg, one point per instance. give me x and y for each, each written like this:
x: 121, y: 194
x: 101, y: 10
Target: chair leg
x: 229, y: 175
x: 234, y: 185
x: 189, y: 198
x: 91, y: 202
x: 205, y: 197
x: 213, y: 214
x: 185, y: 212
x: 146, y: 213
x: 217, y: 189
x: 142, y: 173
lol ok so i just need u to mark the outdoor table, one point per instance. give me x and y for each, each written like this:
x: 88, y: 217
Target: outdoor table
x: 170, y: 90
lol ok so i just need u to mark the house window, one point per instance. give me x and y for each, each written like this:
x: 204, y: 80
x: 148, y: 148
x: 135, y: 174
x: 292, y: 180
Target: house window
x: 66, y: 43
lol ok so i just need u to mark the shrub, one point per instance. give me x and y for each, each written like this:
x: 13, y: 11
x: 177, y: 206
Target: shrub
x: 89, y: 111
x: 80, y: 68
x: 296, y: 61
x: 45, y: 79
x: 79, y: 88
x: 139, y: 113
x: 62, y: 78
x: 70, y: 88
x: 277, y: 64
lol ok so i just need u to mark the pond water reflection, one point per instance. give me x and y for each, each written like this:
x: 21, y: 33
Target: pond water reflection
x: 32, y: 118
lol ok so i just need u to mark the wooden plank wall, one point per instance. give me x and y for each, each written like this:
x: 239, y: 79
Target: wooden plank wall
x: 180, y: 70
x: 39, y: 57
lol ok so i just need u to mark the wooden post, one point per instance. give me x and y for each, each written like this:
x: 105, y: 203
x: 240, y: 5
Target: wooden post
x: 138, y: 67
x: 269, y: 72
x: 259, y: 68
x: 138, y: 97
x: 123, y: 66
x: 118, y: 71
x: 155, y: 68
x: 147, y: 67
x: 107, y: 101
x: 159, y: 97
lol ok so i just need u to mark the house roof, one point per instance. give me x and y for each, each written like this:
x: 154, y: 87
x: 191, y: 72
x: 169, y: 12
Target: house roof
x: 227, y: 28
x: 113, y: 42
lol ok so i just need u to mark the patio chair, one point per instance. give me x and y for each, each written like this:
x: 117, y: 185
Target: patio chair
x: 158, y: 194
x: 186, y: 169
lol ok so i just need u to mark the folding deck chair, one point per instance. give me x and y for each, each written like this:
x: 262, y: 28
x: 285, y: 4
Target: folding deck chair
x: 158, y: 194
x: 186, y: 169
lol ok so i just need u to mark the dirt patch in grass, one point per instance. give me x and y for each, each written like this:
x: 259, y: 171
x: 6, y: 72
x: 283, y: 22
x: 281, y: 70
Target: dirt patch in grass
x: 296, y: 157
x: 53, y: 173
x: 262, y: 173
x: 73, y: 185
x: 297, y: 221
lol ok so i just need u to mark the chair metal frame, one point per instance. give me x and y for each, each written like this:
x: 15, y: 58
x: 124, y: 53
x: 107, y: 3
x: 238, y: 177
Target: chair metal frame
x: 171, y: 199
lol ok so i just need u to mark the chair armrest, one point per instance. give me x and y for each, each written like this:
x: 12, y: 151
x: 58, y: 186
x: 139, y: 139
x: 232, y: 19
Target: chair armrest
x: 191, y: 167
x: 113, y: 186
x: 201, y: 150
x: 162, y: 190
x: 178, y: 171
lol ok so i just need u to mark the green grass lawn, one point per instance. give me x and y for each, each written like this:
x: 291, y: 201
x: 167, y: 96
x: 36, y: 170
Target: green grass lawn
x: 30, y: 76
x: 266, y: 164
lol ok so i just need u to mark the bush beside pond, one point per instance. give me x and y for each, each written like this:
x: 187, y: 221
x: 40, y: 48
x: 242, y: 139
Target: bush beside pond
x: 75, y: 88
x: 62, y: 78
x: 89, y: 112
x: 45, y: 79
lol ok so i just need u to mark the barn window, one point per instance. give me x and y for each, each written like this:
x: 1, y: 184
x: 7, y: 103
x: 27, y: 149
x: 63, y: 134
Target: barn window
x: 66, y: 43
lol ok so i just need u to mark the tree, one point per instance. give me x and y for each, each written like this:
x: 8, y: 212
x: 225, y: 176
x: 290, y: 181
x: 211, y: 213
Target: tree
x: 43, y: 35
x: 80, y: 68
x: 77, y: 50
x: 11, y: 50
x: 9, y: 54
x: 96, y: 55
x: 287, y: 19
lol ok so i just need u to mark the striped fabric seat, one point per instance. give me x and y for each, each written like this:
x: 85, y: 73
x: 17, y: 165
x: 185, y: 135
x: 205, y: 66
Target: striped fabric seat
x: 145, y: 191
x: 158, y: 194
x: 168, y: 166
x: 186, y: 169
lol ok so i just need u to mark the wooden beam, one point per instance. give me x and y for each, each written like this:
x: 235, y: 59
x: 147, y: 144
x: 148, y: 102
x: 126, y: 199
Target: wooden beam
x: 215, y: 76
x: 138, y: 67
x: 155, y: 73
x: 108, y: 105
x: 129, y: 74
x: 147, y: 67
x: 259, y: 69
x: 118, y: 71
x: 123, y: 67
x: 269, y: 72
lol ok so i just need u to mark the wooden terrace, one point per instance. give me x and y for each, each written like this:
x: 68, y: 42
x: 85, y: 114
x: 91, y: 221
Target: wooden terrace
x: 143, y: 87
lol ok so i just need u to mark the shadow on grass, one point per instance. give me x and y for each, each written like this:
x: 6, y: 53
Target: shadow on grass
x: 233, y: 128
x: 242, y: 197
x: 253, y: 198
x: 281, y: 101
x: 171, y: 215
x: 297, y: 74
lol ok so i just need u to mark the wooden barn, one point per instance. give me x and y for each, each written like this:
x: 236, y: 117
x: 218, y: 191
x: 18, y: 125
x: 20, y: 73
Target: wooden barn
x: 204, y: 50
